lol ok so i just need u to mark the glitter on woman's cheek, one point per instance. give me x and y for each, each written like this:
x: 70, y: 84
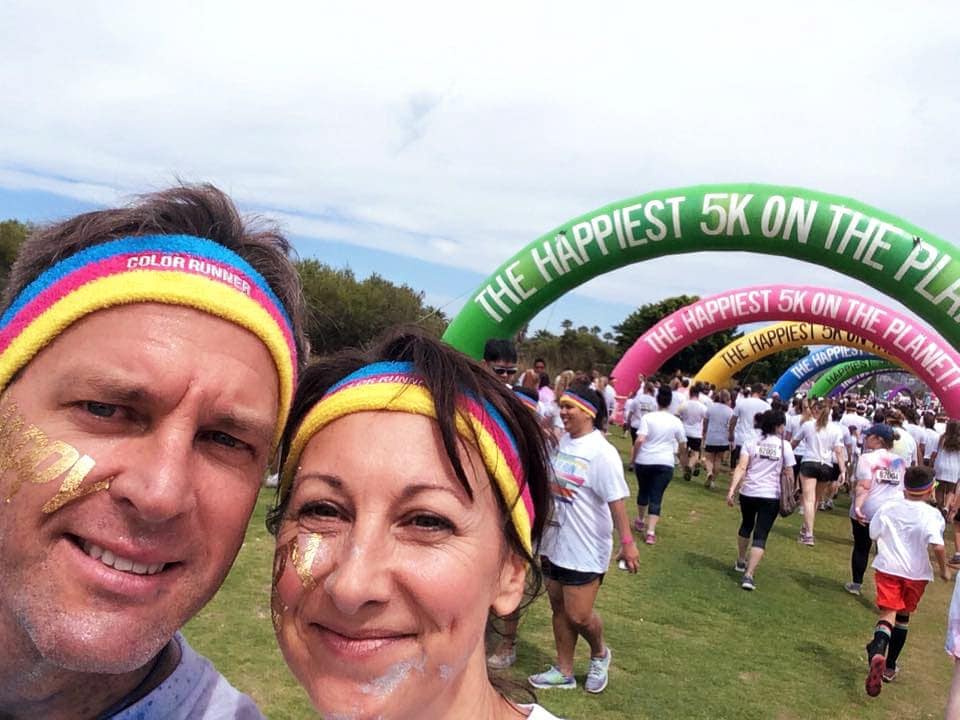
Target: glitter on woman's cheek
x: 307, y: 555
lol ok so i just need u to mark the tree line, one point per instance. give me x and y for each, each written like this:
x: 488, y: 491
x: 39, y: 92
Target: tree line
x: 347, y: 312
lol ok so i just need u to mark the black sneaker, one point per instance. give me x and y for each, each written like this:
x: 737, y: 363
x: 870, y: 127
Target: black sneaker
x: 747, y: 583
x: 687, y: 474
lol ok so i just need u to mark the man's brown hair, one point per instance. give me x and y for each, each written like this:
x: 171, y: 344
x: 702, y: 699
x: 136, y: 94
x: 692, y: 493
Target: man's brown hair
x: 199, y: 210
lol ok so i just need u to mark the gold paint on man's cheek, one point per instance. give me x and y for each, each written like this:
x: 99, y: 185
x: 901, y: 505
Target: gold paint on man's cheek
x: 27, y: 450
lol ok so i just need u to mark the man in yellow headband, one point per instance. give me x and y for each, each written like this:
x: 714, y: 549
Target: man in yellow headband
x: 148, y: 356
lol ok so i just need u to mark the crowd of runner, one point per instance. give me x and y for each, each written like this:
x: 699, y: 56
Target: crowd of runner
x: 897, y: 459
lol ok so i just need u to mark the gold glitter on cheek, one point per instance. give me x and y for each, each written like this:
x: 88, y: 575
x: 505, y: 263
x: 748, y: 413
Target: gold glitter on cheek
x: 29, y: 452
x: 304, y: 554
x: 278, y: 608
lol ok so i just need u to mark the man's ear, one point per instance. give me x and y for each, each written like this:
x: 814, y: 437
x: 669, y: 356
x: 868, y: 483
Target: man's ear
x: 513, y: 578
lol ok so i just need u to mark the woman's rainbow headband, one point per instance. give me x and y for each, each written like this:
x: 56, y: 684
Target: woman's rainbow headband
x: 527, y: 400
x: 396, y: 387
x: 170, y: 269
x: 588, y: 407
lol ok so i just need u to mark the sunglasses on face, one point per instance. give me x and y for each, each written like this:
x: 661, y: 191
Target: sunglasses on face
x: 505, y: 370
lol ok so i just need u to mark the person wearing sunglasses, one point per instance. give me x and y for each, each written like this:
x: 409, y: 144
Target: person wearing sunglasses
x: 500, y: 357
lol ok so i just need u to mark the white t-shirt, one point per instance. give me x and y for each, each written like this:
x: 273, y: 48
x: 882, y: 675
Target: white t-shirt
x: 903, y: 530
x: 916, y: 431
x: 660, y: 431
x: 676, y: 401
x: 641, y: 405
x: 885, y: 472
x: 538, y: 712
x: 194, y: 691
x: 931, y: 440
x: 792, y: 430
x: 820, y: 444
x: 587, y: 475
x: 610, y: 397
x: 905, y: 446
x: 691, y: 414
x: 718, y: 424
x: 952, y: 644
x: 857, y: 421
x: 746, y: 411
x: 767, y: 457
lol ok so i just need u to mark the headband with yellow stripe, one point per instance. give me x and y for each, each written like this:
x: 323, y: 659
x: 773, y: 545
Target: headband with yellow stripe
x: 172, y: 269
x: 578, y: 401
x: 396, y: 386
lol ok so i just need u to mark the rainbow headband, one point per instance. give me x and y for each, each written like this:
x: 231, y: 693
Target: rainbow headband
x: 170, y: 269
x: 588, y: 407
x: 919, y: 490
x: 527, y: 400
x: 395, y: 387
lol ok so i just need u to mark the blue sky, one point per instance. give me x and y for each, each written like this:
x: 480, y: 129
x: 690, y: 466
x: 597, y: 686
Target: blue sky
x: 445, y: 287
x: 429, y: 142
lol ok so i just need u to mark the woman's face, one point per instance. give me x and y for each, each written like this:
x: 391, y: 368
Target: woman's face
x: 385, y: 570
x: 575, y: 420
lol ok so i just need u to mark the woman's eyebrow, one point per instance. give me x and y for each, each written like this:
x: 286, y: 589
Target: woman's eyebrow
x: 411, y: 491
x: 333, y: 481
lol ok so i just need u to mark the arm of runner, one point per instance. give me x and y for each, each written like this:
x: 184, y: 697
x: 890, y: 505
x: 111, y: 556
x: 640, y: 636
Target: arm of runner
x: 628, y: 547
x: 941, y: 555
x: 738, y: 474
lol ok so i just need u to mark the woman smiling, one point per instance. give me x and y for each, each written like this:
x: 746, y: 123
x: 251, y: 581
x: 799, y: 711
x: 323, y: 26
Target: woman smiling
x: 393, y: 553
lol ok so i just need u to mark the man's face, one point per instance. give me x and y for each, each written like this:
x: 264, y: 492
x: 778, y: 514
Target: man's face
x: 176, y: 409
x: 504, y: 370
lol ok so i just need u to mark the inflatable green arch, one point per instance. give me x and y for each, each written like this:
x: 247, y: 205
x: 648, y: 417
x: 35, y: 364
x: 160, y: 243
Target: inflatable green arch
x: 890, y: 254
x: 844, y: 371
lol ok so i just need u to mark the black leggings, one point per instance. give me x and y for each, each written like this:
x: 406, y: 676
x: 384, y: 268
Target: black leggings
x: 861, y: 550
x: 652, y: 481
x: 758, y: 516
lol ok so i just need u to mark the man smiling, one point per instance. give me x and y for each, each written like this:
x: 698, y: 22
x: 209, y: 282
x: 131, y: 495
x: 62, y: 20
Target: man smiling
x: 147, y: 361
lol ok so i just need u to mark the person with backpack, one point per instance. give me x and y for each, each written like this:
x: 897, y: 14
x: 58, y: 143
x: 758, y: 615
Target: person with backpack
x: 757, y: 476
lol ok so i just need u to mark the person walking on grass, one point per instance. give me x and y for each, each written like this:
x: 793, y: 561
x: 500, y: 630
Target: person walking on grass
x: 692, y: 414
x: 757, y: 476
x: 878, y: 479
x: 945, y: 460
x: 588, y: 490
x: 653, y: 462
x: 824, y: 443
x: 904, y: 529
x: 715, y: 440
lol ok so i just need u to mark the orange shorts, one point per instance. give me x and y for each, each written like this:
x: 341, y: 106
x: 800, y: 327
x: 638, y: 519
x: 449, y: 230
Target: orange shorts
x: 897, y: 593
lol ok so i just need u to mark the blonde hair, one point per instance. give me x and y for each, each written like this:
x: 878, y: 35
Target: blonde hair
x: 562, y: 382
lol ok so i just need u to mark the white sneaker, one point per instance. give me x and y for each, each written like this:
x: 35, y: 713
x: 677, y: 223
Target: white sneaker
x: 598, y: 674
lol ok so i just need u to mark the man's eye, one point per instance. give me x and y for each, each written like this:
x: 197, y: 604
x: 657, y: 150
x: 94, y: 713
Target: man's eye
x: 221, y: 438
x: 103, y: 410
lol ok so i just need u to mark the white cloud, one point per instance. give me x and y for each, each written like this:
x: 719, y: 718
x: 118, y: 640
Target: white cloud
x: 458, y: 134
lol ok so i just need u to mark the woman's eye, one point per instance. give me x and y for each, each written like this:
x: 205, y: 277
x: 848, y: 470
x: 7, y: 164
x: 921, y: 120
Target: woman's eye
x: 431, y: 522
x: 103, y: 410
x: 319, y: 510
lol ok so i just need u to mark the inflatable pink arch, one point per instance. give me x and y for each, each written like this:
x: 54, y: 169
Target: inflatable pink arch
x: 926, y: 353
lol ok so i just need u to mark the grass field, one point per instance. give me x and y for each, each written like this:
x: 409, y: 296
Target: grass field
x: 687, y: 641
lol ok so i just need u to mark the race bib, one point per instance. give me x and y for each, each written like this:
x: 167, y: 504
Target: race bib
x: 886, y: 476
x: 768, y: 452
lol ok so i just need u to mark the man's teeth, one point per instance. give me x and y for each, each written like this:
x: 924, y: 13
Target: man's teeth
x: 119, y: 563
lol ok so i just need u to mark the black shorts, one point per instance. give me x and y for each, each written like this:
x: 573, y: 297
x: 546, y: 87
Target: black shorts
x: 818, y: 471
x: 693, y: 444
x: 565, y: 576
x: 716, y: 449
